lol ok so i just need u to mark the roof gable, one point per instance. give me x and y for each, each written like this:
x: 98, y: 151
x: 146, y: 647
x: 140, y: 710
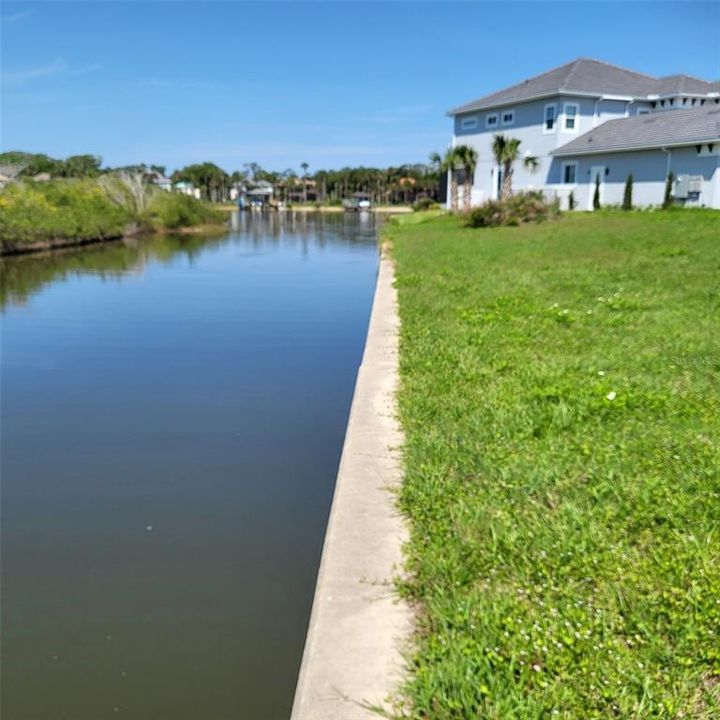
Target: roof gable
x: 588, y: 76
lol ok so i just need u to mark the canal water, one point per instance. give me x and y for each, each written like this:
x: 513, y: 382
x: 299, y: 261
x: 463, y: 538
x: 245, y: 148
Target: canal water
x: 173, y: 412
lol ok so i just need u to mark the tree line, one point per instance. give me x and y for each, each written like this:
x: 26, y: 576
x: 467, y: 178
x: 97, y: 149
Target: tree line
x: 391, y: 185
x: 399, y: 184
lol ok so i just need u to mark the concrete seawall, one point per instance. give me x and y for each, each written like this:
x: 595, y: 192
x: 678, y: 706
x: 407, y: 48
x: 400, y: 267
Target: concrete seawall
x: 352, y: 655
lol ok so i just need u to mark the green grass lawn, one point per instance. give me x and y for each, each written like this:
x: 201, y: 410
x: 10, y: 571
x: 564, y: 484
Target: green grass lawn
x: 561, y: 403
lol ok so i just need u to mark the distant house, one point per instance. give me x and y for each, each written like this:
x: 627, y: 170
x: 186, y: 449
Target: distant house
x: 186, y: 188
x: 588, y: 121
x: 298, y: 190
x: 258, y: 196
x: 158, y: 179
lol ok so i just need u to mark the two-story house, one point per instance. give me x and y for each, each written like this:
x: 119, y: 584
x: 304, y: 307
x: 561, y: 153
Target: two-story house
x: 589, y: 120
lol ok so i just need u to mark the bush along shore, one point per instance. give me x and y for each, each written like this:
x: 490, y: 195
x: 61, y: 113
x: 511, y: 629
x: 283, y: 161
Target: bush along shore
x: 56, y: 213
x: 559, y: 397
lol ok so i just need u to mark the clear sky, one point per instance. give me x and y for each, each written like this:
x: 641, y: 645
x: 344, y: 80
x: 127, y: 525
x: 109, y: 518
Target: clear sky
x: 331, y: 84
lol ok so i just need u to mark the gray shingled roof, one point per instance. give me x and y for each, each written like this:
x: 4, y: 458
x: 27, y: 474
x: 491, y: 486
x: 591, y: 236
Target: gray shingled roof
x: 685, y: 84
x: 660, y: 129
x: 589, y: 76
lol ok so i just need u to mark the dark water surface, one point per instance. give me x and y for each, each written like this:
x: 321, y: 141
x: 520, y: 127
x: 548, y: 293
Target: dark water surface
x: 173, y: 412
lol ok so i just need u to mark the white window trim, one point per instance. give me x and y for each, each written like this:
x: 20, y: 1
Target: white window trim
x: 555, y: 119
x: 564, y: 128
x: 468, y: 123
x: 495, y: 124
x: 562, y: 176
x: 510, y: 111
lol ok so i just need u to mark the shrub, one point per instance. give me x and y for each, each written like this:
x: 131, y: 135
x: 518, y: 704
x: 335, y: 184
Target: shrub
x: 596, y: 194
x: 177, y: 210
x: 572, y: 202
x: 668, y: 198
x: 90, y: 209
x: 424, y: 203
x: 74, y: 209
x: 627, y: 195
x: 515, y: 210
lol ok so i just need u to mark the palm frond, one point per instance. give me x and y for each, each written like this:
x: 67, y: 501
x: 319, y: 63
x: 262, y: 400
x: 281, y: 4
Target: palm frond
x: 531, y: 163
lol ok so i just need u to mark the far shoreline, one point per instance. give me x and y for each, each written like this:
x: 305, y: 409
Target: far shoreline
x: 51, y: 244
x: 382, y: 209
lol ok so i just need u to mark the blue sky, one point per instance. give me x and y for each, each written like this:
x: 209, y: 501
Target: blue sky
x: 332, y: 84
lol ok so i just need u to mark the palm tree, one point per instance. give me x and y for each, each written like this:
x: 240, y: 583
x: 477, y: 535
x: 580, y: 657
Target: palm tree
x: 506, y: 151
x: 467, y: 158
x: 304, y: 167
x: 252, y: 169
x: 448, y: 163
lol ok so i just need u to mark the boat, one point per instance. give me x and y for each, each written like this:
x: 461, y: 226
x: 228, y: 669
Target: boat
x: 358, y: 202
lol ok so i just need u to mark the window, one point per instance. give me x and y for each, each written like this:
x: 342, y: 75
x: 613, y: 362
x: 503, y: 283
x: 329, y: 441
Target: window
x: 643, y: 111
x: 571, y: 117
x: 549, y: 119
x: 468, y: 123
x: 569, y: 172
x: 508, y: 117
x: 491, y: 120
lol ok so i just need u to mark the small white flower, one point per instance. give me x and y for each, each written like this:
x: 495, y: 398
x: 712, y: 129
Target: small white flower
x: 611, y: 395
x: 601, y: 373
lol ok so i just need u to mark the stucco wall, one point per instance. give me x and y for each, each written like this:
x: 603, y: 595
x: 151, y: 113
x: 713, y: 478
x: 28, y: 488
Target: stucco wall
x: 649, y: 169
x: 528, y: 127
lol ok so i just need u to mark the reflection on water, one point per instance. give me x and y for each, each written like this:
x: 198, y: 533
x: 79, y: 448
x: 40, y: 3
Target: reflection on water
x: 22, y: 275
x: 173, y: 413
